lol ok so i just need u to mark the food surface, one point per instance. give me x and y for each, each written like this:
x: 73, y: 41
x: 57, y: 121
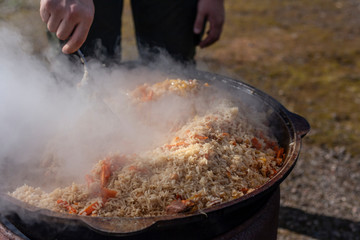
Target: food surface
x: 216, y: 155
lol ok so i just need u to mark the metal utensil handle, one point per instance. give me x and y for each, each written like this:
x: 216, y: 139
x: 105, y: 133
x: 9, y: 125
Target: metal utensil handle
x: 85, y: 78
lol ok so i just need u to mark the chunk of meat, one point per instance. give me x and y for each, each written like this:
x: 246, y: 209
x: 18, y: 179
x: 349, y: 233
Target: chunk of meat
x: 180, y: 206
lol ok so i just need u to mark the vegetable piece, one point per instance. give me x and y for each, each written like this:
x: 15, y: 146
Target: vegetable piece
x: 181, y: 144
x: 107, y: 193
x: 280, y: 156
x: 200, y: 137
x: 280, y: 153
x: 67, y: 206
x: 255, y: 143
x: 91, y: 208
x: 105, y: 174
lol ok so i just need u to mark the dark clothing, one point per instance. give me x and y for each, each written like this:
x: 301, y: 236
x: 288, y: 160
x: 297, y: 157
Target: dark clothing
x: 161, y: 26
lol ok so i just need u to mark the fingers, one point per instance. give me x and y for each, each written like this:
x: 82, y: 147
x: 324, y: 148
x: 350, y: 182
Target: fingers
x: 213, y: 34
x: 78, y: 33
x: 53, y: 22
x: 65, y: 29
x: 77, y: 39
x: 45, y: 15
x: 199, y: 22
x: 213, y: 12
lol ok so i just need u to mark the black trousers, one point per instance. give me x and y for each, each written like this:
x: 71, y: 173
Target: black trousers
x: 161, y: 26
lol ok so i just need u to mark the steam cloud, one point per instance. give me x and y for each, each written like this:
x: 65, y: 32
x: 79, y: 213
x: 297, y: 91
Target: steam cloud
x: 33, y: 108
x: 49, y: 128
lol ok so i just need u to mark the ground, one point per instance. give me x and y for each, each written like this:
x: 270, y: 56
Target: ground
x: 306, y: 54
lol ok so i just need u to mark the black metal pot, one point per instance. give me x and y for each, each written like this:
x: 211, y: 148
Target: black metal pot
x: 288, y: 127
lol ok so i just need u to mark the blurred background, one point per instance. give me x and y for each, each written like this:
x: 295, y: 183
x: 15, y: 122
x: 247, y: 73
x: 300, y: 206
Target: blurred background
x: 306, y: 54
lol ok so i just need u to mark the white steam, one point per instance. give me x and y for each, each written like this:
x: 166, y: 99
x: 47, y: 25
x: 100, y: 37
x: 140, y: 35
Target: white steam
x: 50, y: 131
x: 32, y: 107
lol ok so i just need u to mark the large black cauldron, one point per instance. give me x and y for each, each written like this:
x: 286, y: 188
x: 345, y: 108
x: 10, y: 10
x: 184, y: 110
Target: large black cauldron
x: 289, y: 128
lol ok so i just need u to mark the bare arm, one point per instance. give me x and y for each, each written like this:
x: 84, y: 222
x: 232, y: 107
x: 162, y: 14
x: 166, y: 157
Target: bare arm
x: 69, y: 19
x: 213, y: 12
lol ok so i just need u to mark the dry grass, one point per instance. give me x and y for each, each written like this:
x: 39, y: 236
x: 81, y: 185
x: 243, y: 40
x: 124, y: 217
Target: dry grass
x: 304, y: 53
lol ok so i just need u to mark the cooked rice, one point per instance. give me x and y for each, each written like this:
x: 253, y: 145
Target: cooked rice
x: 216, y: 156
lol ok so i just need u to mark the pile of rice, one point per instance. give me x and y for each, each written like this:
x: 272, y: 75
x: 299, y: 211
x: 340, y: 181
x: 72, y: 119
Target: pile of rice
x: 216, y: 156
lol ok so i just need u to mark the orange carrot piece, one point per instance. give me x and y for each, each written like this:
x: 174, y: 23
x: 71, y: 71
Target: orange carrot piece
x: 67, y: 206
x: 92, y: 207
x: 181, y: 144
x: 200, y: 137
x: 72, y: 210
x: 279, y: 161
x: 105, y: 174
x: 108, y: 193
x: 280, y: 153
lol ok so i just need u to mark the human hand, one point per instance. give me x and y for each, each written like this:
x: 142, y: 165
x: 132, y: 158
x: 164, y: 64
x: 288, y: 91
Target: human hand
x: 213, y: 12
x: 69, y: 19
